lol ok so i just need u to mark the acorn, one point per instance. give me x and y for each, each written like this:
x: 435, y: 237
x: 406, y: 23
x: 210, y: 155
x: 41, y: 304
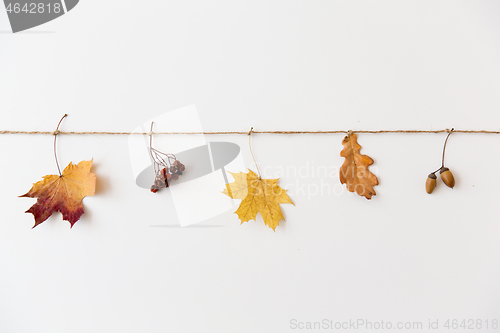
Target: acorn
x: 430, y: 183
x: 447, y: 177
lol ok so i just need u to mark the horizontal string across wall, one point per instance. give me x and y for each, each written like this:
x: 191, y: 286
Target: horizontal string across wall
x: 64, y: 192
x: 255, y: 132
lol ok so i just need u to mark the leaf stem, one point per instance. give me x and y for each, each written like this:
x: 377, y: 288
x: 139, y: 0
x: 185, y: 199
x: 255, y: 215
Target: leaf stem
x: 55, y: 139
x: 251, y: 152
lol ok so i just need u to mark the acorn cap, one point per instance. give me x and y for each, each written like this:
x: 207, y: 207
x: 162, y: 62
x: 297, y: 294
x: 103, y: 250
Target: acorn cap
x: 432, y: 176
x: 443, y: 169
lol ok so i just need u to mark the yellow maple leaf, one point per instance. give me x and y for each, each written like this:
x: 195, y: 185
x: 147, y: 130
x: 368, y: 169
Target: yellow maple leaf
x: 62, y: 193
x: 257, y: 195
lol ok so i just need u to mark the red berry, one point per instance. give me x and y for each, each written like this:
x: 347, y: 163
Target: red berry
x: 182, y: 167
x: 175, y: 176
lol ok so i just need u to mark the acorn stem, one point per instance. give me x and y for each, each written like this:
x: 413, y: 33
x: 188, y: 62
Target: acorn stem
x: 444, y: 149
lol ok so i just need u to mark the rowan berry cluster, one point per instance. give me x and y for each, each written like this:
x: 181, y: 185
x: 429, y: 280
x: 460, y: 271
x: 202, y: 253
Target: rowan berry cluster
x: 165, y: 175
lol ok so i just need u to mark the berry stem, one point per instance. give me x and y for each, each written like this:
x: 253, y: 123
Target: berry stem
x: 151, y: 139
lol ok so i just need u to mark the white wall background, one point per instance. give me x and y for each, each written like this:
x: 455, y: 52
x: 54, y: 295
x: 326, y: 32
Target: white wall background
x: 312, y: 65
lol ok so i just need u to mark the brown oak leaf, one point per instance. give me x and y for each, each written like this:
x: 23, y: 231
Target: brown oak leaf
x: 62, y: 193
x: 257, y: 195
x: 354, y: 172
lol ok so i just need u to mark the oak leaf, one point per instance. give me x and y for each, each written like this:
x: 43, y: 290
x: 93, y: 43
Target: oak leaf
x: 62, y: 193
x: 257, y: 195
x: 354, y: 172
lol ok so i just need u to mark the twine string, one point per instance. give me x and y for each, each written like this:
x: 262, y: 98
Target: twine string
x: 254, y: 132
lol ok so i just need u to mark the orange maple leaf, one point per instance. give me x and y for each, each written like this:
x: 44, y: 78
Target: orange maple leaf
x: 354, y: 172
x: 62, y: 193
